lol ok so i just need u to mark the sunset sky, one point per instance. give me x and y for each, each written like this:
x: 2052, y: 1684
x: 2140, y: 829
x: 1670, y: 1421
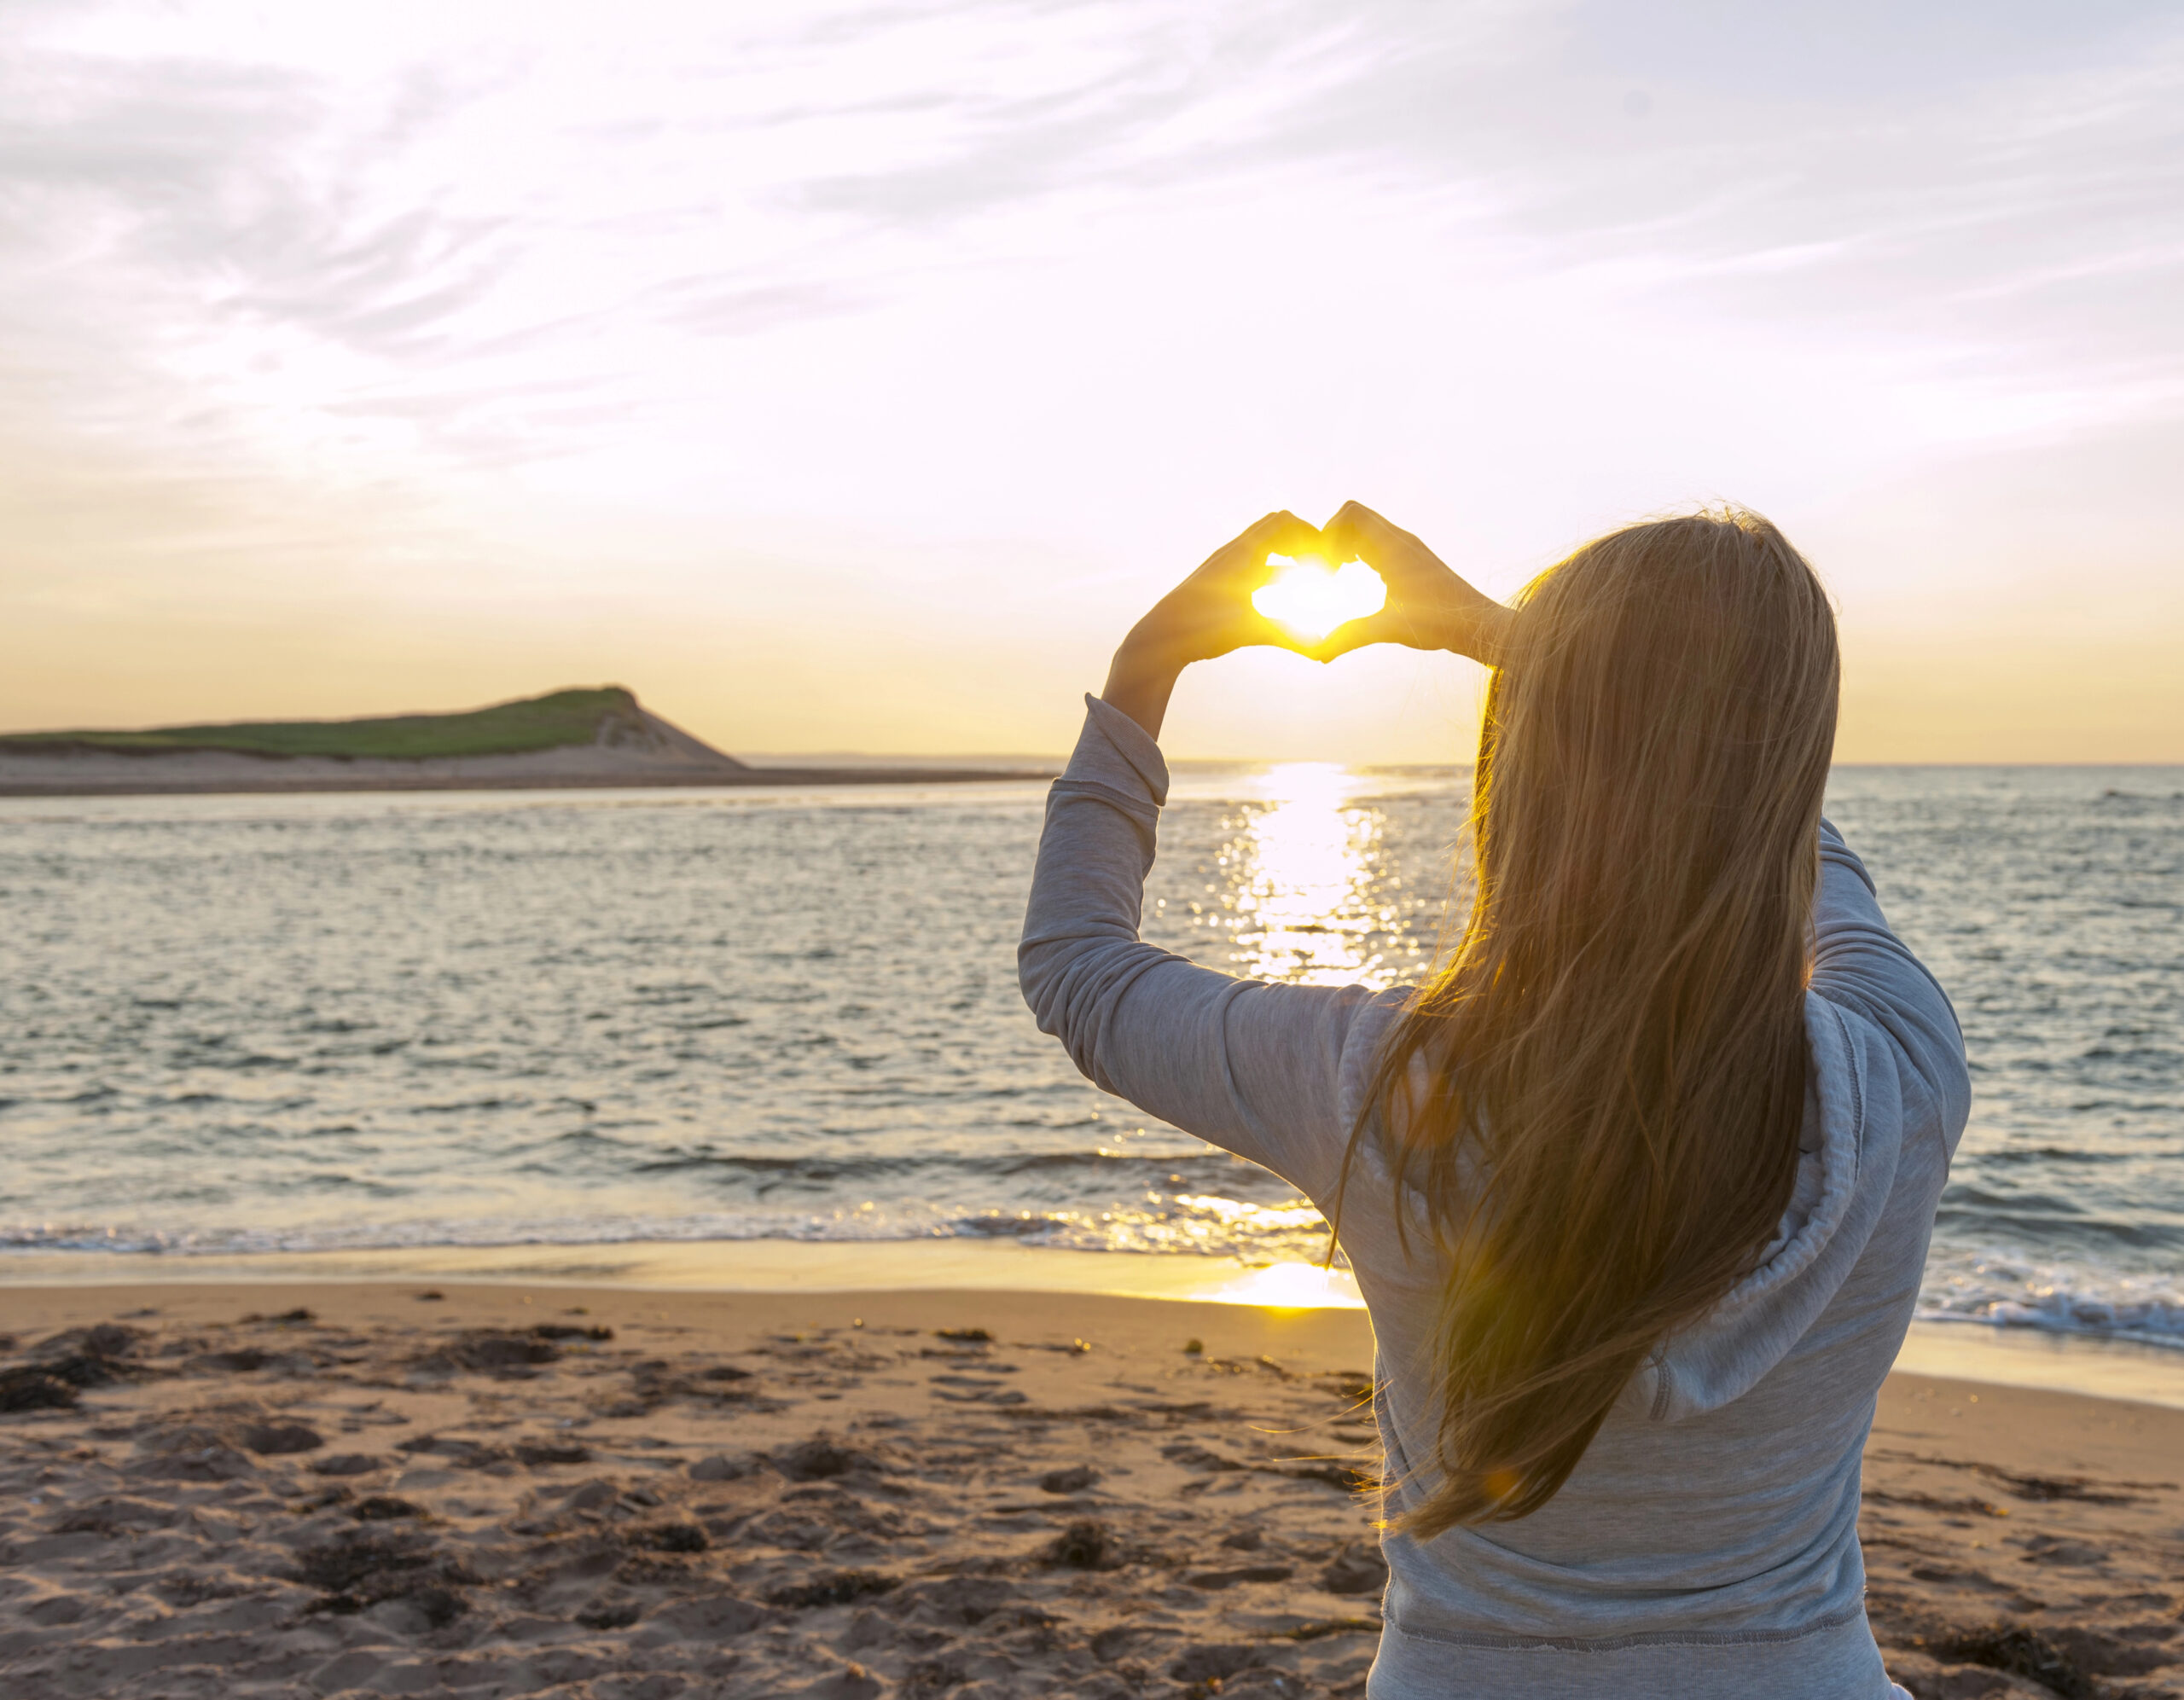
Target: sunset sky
x: 849, y: 377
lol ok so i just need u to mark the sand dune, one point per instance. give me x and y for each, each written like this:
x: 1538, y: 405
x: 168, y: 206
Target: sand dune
x: 630, y: 748
x: 665, y: 756
x: 611, y: 1494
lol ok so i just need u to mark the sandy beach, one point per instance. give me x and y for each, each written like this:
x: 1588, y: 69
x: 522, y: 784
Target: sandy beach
x: 381, y: 1488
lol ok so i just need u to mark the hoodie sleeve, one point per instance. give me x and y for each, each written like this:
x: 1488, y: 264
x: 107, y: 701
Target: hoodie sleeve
x: 1860, y: 965
x: 1254, y: 1068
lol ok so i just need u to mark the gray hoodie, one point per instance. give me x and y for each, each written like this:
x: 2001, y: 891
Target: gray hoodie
x: 1707, y: 1543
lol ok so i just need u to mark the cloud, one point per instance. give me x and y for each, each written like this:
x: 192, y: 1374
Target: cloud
x: 1991, y: 181
x: 417, y: 294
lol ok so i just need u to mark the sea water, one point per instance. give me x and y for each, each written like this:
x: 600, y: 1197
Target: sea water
x: 246, y: 1023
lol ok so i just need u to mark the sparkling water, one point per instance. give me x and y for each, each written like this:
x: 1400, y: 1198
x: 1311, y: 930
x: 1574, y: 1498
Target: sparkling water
x: 288, y: 1022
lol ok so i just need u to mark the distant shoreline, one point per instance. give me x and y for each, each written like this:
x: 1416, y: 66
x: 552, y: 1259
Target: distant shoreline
x: 144, y: 786
x: 582, y: 738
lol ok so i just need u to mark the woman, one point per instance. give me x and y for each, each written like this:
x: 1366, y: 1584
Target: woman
x: 1638, y: 1187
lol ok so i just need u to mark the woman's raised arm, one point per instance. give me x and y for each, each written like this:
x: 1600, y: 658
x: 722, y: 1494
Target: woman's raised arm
x: 1268, y: 1071
x: 1257, y: 1069
x: 1207, y: 615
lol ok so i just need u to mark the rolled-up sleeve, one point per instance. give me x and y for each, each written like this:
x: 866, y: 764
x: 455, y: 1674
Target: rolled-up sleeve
x: 1256, y: 1069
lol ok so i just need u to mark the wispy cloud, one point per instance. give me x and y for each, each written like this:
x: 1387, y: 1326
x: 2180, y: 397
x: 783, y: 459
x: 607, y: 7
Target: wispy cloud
x: 727, y: 170
x: 839, y: 269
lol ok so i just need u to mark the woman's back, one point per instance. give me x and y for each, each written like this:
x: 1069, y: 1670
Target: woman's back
x: 1716, y: 1507
x: 1706, y: 1542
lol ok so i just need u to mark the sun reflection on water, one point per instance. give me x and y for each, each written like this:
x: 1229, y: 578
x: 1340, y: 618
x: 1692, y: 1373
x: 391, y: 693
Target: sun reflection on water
x: 1292, y: 1286
x: 1304, y: 885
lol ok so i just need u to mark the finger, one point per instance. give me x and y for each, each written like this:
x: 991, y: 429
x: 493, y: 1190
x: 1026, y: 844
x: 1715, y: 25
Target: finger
x: 1355, y: 518
x: 1284, y: 533
x: 1360, y: 534
x: 1355, y: 514
x: 1281, y: 533
x: 1349, y: 634
x: 1392, y: 624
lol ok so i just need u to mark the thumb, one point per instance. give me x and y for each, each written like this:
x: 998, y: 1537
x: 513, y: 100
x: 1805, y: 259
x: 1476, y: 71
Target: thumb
x: 1387, y: 626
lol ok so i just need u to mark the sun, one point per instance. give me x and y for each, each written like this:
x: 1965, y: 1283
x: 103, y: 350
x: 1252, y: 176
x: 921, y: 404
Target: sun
x: 1312, y: 601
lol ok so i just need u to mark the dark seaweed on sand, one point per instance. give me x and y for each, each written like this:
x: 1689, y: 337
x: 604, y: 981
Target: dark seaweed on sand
x: 2022, y: 1653
x: 832, y: 1587
x: 485, y: 1349
x: 670, y: 1537
x: 1084, y: 1545
x: 539, y: 1453
x: 820, y: 1459
x: 29, y: 1388
x: 610, y: 1613
x: 384, y: 1508
x: 356, y: 1570
x: 273, y: 1440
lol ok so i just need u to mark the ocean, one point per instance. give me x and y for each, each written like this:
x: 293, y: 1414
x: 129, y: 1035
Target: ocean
x: 287, y: 1024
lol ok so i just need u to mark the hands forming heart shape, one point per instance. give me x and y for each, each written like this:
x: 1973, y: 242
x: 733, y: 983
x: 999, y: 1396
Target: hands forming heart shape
x: 1279, y: 583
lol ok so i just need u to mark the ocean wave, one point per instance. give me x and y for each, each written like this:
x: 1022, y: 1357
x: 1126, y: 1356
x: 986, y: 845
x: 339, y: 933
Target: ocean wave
x: 1108, y: 1168
x: 2143, y: 1307
x: 2146, y: 1307
x: 1195, y: 1225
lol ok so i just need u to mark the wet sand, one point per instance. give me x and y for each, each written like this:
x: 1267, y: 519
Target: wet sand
x: 623, y: 1494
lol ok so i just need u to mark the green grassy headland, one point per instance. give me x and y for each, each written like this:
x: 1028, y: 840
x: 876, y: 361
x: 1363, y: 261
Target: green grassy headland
x: 506, y: 728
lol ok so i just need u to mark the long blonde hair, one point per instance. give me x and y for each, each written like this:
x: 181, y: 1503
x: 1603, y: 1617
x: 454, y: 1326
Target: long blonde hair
x: 1598, y: 1099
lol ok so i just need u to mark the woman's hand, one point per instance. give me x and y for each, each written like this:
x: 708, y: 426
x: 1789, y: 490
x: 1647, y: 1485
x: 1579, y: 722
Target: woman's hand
x: 1428, y: 606
x: 1208, y: 614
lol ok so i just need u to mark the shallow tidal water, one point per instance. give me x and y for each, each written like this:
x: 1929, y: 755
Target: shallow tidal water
x: 255, y: 1023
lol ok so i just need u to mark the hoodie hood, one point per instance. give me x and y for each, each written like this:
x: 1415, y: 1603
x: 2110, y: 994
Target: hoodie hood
x: 1846, y: 1165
